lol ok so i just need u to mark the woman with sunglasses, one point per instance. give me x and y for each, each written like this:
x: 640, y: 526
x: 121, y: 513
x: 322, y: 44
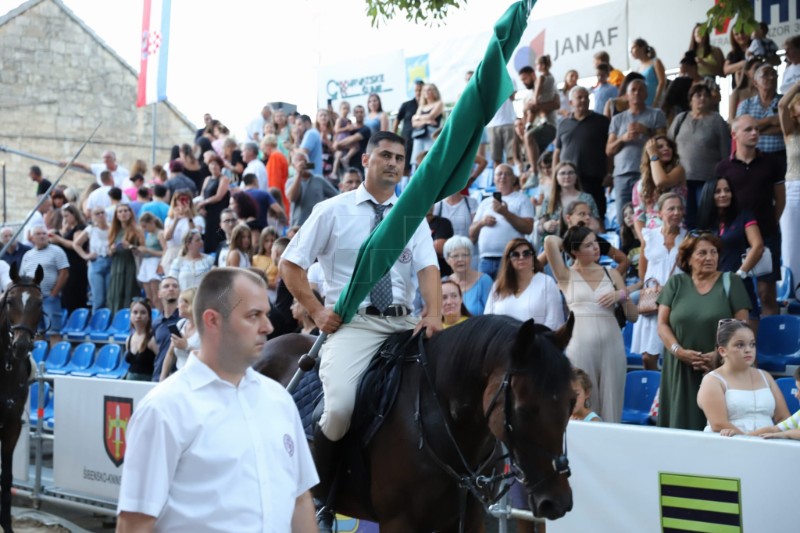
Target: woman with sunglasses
x: 591, y: 292
x: 523, y: 290
x: 735, y: 397
x: 690, y: 306
x: 98, y: 256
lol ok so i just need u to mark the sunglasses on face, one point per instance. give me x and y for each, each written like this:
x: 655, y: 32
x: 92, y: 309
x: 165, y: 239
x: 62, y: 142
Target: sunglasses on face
x: 523, y: 254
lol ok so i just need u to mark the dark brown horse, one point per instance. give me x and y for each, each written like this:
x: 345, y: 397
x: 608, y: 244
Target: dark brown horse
x: 490, y: 379
x: 20, y: 313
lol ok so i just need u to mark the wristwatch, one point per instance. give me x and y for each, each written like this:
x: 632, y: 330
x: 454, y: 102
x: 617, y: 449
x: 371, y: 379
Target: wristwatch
x: 653, y: 158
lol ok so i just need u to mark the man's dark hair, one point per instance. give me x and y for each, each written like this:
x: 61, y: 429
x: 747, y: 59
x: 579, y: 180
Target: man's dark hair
x: 604, y: 68
x: 115, y: 193
x: 137, y: 177
x: 106, y: 177
x: 216, y: 292
x: 159, y: 191
x: 36, y: 171
x: 250, y: 179
x: 419, y: 82
x: 143, y: 192
x: 305, y: 119
x: 356, y: 171
x: 384, y: 136
x: 527, y: 69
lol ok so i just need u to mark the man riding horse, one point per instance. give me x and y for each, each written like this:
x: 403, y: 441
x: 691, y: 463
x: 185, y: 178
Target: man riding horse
x: 333, y: 234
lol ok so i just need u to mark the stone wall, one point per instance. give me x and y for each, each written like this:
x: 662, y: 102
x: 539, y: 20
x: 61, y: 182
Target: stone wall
x: 59, y: 81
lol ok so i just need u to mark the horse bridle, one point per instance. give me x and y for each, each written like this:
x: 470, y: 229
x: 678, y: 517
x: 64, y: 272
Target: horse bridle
x: 560, y: 461
x: 12, y: 328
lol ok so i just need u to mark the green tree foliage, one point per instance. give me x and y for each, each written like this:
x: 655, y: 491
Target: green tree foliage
x: 429, y: 12
x: 725, y: 10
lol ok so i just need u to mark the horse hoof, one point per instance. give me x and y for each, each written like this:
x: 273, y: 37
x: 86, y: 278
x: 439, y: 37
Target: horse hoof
x: 306, y: 363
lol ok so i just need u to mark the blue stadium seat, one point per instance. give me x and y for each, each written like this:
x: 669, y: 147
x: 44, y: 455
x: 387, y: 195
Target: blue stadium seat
x: 612, y: 238
x: 117, y: 373
x: 778, y: 342
x: 119, y: 325
x: 155, y: 314
x: 634, y: 359
x: 789, y: 388
x: 39, y: 352
x: 106, y: 361
x: 99, y: 322
x: 75, y: 327
x: 640, y: 391
x: 82, y: 357
x: 57, y: 359
x: 34, y: 402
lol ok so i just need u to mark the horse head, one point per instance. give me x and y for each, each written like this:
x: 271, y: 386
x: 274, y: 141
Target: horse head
x: 529, y: 410
x: 22, y: 311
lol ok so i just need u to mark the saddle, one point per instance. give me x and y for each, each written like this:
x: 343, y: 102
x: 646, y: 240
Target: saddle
x: 375, y: 395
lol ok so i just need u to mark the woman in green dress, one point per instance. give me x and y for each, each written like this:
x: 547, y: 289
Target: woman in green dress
x: 124, y: 236
x: 690, y: 307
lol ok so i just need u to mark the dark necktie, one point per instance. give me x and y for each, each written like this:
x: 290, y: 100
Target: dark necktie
x: 381, y: 293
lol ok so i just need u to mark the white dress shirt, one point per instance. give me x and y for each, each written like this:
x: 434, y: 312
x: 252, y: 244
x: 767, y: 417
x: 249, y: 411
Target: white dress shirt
x: 121, y: 175
x: 541, y: 301
x: 334, y: 233
x: 492, y: 240
x: 257, y: 167
x: 203, y: 455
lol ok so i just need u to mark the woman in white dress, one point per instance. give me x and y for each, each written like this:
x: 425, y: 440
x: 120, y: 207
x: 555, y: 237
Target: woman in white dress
x: 657, y: 262
x: 192, y: 266
x: 523, y: 290
x: 789, y: 114
x: 737, y: 398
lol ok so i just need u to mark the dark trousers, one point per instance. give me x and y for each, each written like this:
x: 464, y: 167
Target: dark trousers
x: 593, y: 185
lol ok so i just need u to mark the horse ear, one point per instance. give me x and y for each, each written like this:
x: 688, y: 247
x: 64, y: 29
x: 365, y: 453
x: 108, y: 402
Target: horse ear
x: 562, y: 335
x: 39, y: 275
x: 525, y: 335
x: 13, y: 273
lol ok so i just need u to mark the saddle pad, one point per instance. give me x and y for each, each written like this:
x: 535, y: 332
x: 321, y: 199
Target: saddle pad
x: 307, y: 395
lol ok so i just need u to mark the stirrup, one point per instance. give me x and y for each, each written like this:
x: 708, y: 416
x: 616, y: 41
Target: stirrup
x: 326, y: 520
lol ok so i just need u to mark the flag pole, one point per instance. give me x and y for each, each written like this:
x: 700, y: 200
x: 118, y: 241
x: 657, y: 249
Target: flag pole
x: 155, y: 118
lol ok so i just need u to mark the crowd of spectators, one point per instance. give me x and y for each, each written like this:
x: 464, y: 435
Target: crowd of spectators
x: 706, y: 212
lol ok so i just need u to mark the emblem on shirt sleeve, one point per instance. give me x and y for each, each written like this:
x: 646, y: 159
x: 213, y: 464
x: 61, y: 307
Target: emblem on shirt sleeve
x: 405, y: 257
x: 116, y: 414
x: 288, y: 443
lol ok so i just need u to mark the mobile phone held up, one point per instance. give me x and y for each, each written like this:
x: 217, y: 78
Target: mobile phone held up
x: 498, y: 196
x: 173, y: 328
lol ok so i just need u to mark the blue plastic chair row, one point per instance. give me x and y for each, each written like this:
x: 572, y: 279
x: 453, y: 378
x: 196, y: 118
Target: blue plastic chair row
x: 49, y: 405
x: 634, y: 359
x: 82, y: 362
x: 778, y: 343
x: 100, y: 327
x: 640, y: 391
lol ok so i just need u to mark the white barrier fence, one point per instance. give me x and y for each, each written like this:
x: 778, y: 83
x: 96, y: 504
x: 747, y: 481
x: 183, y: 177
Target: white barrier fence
x: 624, y: 478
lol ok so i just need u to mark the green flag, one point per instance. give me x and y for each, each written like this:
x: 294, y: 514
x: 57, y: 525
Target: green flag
x: 446, y: 168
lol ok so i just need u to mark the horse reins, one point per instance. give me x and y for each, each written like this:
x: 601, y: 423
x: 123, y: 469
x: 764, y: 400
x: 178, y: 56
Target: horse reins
x: 472, y: 481
x: 560, y: 461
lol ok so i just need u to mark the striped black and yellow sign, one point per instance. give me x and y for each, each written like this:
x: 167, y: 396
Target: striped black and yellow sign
x: 700, y: 504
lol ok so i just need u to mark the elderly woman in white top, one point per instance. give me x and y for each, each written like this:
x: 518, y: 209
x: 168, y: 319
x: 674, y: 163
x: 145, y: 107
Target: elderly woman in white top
x: 506, y: 215
x: 657, y: 262
x: 523, y: 291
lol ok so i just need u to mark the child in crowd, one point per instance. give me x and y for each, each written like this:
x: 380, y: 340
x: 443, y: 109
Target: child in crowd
x: 263, y: 259
x: 150, y: 270
x: 789, y: 428
x: 140, y: 346
x: 240, y: 247
x: 582, y: 386
x: 545, y: 90
x: 188, y: 340
x: 736, y: 397
x: 761, y: 47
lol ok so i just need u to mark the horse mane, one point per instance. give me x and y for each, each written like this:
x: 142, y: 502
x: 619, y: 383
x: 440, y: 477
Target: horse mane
x: 475, y: 347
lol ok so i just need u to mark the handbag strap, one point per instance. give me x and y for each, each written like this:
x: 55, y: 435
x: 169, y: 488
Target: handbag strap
x: 610, y: 279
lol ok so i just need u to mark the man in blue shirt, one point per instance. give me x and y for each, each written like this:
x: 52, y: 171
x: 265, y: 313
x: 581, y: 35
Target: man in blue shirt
x: 603, y: 91
x: 168, y: 292
x: 311, y: 143
x: 264, y: 200
x: 159, y: 206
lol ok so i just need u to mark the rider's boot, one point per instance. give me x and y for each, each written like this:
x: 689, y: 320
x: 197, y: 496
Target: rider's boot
x: 327, y: 456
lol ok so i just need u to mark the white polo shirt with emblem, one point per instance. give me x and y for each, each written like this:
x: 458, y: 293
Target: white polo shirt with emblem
x: 203, y: 455
x: 334, y: 233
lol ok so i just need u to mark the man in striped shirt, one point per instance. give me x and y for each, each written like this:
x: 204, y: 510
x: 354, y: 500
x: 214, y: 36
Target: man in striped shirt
x: 56, y: 271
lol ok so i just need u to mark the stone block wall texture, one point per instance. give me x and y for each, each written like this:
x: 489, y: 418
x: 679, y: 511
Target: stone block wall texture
x: 58, y: 80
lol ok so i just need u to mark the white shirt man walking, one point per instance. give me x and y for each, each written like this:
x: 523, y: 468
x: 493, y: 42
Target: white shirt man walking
x: 199, y: 456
